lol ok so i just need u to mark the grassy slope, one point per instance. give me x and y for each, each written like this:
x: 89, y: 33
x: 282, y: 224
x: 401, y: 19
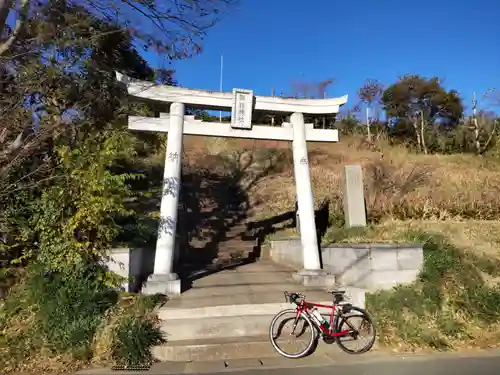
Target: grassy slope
x: 398, y: 184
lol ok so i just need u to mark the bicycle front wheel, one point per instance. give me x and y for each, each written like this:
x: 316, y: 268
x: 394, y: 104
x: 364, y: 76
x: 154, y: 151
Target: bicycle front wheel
x: 361, y: 331
x: 299, y: 334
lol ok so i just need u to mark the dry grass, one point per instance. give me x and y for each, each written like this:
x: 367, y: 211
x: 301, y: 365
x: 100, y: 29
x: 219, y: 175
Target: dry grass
x: 398, y: 184
x: 478, y: 236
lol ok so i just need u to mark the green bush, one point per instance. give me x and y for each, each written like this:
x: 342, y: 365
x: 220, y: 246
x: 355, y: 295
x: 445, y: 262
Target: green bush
x: 54, y: 314
x: 70, y: 307
x: 134, y: 339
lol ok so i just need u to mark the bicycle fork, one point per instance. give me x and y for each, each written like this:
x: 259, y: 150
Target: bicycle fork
x: 297, y: 316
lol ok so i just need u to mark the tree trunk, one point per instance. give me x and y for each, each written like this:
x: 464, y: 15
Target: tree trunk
x: 477, y: 143
x: 417, y: 134
x: 422, y: 133
x: 490, y: 137
x: 368, y: 131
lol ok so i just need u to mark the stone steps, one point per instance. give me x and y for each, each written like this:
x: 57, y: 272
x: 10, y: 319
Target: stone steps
x: 218, y: 320
x: 226, y: 315
x: 238, y: 299
x: 197, y: 292
x: 236, y: 245
x: 244, y: 347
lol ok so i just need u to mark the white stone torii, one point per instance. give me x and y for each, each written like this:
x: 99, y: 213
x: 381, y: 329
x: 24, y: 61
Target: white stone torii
x: 242, y: 102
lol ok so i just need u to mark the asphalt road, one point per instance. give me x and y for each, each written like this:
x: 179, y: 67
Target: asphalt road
x: 471, y: 363
x: 417, y: 366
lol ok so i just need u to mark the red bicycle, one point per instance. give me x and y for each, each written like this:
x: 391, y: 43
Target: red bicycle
x: 340, y: 326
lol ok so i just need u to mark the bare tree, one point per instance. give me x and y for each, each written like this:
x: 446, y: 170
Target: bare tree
x: 480, y: 123
x: 370, y: 94
x: 312, y: 90
x: 172, y: 27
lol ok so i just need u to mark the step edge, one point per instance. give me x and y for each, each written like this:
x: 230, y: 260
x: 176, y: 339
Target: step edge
x: 219, y: 311
x: 216, y: 341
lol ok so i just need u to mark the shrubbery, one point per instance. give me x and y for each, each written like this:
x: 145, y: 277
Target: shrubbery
x: 53, y: 320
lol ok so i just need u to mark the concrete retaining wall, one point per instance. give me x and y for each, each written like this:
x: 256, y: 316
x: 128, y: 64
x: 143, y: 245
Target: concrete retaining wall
x: 134, y: 264
x: 368, y: 266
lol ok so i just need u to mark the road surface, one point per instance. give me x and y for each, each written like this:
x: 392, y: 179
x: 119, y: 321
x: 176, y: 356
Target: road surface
x: 472, y: 363
x: 460, y: 366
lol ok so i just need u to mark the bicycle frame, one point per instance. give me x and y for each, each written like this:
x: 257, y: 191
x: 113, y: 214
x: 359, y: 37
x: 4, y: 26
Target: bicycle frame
x: 304, y: 308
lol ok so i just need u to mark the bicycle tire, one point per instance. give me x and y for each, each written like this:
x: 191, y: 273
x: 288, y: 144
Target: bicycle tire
x: 278, y: 349
x: 341, y: 319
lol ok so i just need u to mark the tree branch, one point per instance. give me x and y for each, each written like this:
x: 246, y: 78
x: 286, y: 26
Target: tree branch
x: 4, y: 12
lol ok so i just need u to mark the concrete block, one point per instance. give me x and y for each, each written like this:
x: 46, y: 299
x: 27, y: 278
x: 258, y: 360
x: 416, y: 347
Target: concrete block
x: 119, y: 263
x: 410, y: 258
x: 354, y: 197
x: 347, y: 262
x: 356, y: 296
x: 356, y: 272
x: 135, y: 264
x: 318, y: 278
x: 341, y: 259
x: 162, y: 284
x: 373, y: 266
x: 384, y: 259
x: 288, y: 252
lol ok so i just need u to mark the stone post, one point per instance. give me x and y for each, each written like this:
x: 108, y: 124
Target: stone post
x: 354, y: 197
x: 164, y: 280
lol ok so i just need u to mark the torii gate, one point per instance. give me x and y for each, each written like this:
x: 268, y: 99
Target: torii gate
x: 242, y: 102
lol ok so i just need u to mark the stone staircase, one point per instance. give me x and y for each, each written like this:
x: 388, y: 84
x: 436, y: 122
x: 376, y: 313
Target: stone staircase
x: 226, y: 315
x: 237, y: 245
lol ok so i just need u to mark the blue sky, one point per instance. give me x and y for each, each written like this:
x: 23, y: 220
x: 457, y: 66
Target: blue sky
x: 271, y: 43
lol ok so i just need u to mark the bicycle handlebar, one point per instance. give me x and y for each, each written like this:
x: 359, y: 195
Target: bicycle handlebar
x: 293, y: 297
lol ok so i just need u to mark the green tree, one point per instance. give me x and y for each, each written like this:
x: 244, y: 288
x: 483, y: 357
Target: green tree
x: 58, y: 89
x: 63, y: 128
x: 414, y: 102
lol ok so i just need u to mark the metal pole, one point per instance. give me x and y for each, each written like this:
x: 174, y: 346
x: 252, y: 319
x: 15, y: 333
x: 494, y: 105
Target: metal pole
x: 220, y: 86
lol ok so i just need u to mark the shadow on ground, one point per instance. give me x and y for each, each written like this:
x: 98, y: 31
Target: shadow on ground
x: 288, y: 220
x: 213, y: 208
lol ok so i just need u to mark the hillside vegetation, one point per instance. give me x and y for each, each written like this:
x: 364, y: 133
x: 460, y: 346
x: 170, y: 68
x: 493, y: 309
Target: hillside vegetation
x: 399, y: 184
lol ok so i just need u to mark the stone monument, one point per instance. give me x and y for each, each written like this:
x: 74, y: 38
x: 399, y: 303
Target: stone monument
x: 242, y: 102
x: 354, y: 197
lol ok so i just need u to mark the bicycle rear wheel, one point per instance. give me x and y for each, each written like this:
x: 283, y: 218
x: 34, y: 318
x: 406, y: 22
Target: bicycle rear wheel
x: 298, y: 328
x: 358, y: 322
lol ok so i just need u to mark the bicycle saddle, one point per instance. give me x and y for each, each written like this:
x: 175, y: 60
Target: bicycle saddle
x: 337, y: 292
